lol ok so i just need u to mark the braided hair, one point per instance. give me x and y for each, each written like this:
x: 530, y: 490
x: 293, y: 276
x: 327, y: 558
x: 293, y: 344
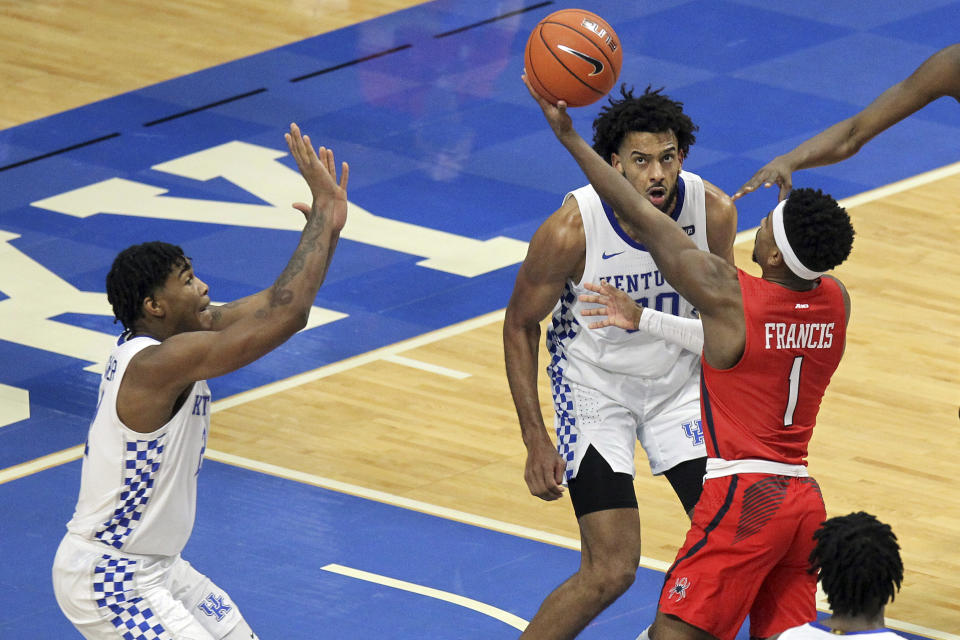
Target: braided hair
x: 859, y: 562
x: 651, y: 112
x: 137, y: 273
x: 818, y: 229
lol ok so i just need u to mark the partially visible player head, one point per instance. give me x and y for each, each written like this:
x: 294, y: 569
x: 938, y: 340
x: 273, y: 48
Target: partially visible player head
x: 804, y: 236
x: 859, y: 562
x: 152, y: 288
x: 646, y: 138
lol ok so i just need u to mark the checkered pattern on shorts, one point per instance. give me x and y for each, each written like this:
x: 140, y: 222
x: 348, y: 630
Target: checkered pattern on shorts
x: 142, y: 462
x: 564, y: 328
x: 113, y: 586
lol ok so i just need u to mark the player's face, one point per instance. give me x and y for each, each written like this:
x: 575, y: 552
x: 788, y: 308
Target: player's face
x: 652, y: 163
x: 187, y: 301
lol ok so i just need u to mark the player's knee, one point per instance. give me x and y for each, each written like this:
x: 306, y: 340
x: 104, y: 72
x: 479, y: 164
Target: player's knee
x: 610, y: 580
x: 241, y: 632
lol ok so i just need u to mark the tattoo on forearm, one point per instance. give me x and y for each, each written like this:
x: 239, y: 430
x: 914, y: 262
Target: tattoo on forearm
x: 309, y: 243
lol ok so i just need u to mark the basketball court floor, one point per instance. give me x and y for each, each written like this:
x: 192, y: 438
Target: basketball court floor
x: 452, y: 170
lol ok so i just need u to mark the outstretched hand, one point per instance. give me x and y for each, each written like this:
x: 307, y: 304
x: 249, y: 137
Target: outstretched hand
x: 774, y: 172
x: 556, y: 114
x: 320, y: 171
x: 619, y: 308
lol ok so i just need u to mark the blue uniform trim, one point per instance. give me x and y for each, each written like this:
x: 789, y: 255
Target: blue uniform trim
x: 712, y: 447
x: 612, y: 218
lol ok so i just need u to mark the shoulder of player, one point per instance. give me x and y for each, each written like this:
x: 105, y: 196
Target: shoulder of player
x: 719, y: 205
x: 843, y: 292
x: 563, y: 231
x: 162, y: 365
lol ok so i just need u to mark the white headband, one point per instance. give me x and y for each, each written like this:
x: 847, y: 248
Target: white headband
x: 789, y: 257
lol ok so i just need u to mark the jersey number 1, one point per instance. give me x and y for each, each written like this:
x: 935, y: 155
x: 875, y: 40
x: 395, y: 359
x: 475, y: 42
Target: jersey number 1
x: 794, y: 391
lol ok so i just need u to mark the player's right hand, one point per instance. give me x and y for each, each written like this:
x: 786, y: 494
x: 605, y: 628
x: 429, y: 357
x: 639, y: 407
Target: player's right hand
x: 320, y: 171
x: 775, y: 172
x: 544, y: 471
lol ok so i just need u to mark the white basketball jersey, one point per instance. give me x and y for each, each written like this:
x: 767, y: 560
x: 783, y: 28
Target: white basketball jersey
x: 817, y: 631
x: 138, y: 491
x: 585, y: 355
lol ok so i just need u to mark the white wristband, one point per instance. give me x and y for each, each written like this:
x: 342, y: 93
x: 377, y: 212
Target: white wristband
x: 684, y: 332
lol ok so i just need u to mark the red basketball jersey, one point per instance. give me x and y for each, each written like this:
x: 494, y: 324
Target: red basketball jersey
x: 765, y: 406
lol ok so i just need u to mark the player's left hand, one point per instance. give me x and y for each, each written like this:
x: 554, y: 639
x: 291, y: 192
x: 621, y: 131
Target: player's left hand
x: 619, y: 308
x: 775, y: 172
x: 556, y: 114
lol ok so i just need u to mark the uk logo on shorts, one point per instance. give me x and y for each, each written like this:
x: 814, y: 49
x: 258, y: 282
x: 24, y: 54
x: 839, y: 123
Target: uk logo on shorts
x: 694, y: 431
x: 679, y: 589
x: 215, y: 606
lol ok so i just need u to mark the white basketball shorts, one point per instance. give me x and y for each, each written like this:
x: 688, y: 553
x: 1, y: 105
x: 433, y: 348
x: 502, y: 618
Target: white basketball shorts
x: 107, y: 595
x: 665, y: 419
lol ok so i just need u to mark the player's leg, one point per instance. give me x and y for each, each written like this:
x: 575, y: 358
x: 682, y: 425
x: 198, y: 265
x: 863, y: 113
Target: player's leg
x: 671, y: 434
x: 726, y: 556
x: 210, y: 605
x: 609, y: 521
x: 108, y: 596
x: 787, y: 597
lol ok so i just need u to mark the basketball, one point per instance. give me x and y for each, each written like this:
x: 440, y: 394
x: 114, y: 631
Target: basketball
x: 573, y: 55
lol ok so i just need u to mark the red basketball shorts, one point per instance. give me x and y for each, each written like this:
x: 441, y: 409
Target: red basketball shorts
x: 747, y: 552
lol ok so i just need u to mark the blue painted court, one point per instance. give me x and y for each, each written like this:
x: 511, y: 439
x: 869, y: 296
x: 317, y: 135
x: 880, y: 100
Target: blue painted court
x: 448, y: 155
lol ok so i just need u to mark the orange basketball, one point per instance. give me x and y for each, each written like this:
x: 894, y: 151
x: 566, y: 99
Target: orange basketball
x: 573, y: 55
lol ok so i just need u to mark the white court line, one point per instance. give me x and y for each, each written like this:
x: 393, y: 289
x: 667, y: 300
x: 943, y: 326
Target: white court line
x: 876, y: 194
x: 426, y: 366
x: 499, y: 614
x: 356, y: 361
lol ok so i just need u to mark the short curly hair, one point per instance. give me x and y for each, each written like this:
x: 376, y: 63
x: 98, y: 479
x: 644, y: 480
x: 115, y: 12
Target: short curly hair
x: 651, y: 112
x: 137, y: 273
x: 818, y: 229
x: 859, y: 562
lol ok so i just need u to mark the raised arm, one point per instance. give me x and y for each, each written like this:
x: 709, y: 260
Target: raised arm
x: 702, y: 278
x: 556, y: 251
x: 159, y: 374
x: 938, y: 76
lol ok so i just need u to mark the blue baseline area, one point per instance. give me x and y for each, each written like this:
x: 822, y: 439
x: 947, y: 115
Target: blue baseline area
x: 265, y: 540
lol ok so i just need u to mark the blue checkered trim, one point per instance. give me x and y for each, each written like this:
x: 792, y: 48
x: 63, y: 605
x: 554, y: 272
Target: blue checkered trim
x: 113, y: 586
x: 143, y: 459
x: 561, y: 332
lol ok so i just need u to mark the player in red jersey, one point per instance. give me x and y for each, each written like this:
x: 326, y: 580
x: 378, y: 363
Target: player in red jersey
x: 770, y: 346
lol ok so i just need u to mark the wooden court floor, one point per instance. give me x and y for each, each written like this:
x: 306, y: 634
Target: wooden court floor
x: 886, y: 442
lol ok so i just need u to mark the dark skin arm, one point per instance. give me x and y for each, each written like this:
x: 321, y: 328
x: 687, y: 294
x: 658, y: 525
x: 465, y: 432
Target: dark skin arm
x: 938, y: 76
x: 721, y: 221
x: 159, y: 377
x: 709, y: 282
x: 555, y: 254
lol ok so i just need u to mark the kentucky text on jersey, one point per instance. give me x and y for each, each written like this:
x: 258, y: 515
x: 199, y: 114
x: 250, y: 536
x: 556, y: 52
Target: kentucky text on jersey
x: 633, y: 281
x: 796, y: 335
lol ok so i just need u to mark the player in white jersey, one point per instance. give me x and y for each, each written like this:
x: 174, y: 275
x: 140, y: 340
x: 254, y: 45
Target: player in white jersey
x: 118, y: 571
x: 611, y: 387
x: 860, y: 570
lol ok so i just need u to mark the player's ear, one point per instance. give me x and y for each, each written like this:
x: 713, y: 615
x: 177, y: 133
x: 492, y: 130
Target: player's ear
x: 615, y: 162
x: 152, y: 308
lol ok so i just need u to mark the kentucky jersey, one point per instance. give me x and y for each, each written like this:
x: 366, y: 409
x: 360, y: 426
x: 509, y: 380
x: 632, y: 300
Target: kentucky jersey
x: 766, y: 405
x: 585, y: 355
x: 138, y: 490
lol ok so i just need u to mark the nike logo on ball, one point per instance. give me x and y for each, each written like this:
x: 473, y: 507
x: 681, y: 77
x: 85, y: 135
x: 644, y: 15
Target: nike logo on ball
x: 607, y: 256
x: 597, y: 65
